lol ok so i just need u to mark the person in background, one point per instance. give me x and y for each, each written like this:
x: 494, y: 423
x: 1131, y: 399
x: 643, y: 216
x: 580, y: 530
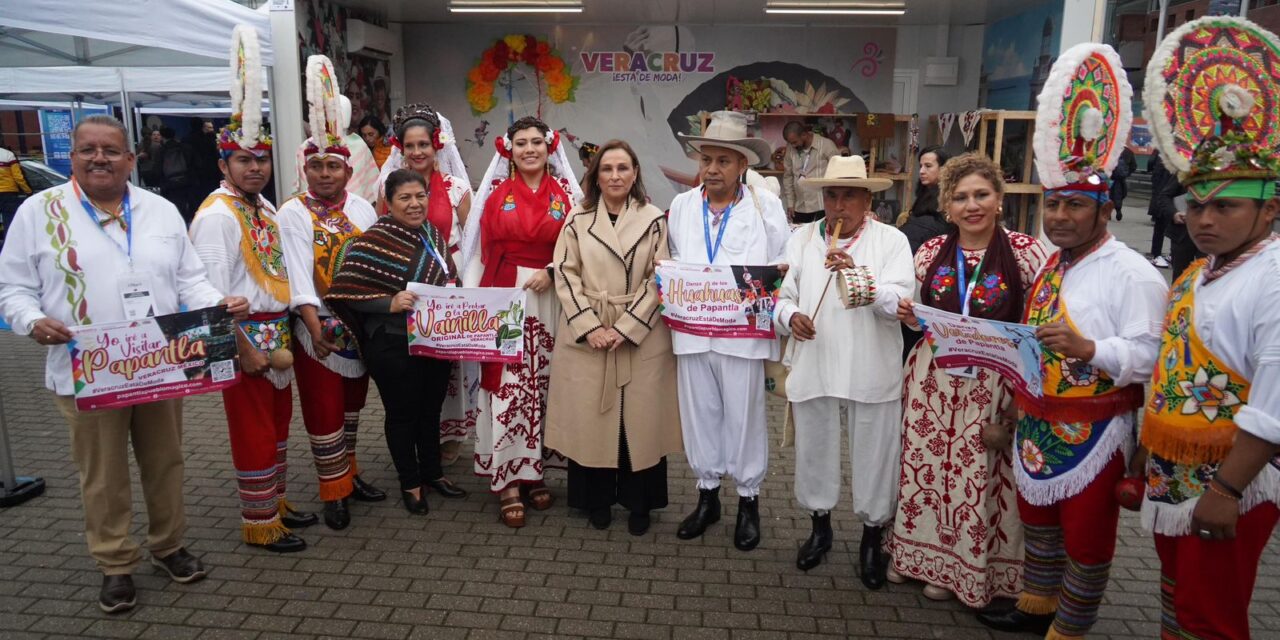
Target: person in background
x: 44, y: 290
x: 369, y: 294
x: 617, y: 439
x: 149, y: 159
x: 13, y: 186
x: 1120, y: 180
x: 176, y: 173
x: 202, y: 143
x: 807, y: 155
x: 925, y: 221
x: 374, y: 133
x: 1164, y: 188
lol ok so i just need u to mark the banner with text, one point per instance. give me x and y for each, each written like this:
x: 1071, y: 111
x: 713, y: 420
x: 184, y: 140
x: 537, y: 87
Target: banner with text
x: 1011, y: 350
x: 480, y: 325
x: 119, y: 364
x: 719, y: 301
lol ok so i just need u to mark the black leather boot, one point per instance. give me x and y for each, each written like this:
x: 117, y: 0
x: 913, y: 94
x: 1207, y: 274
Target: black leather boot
x: 289, y: 543
x: 872, y: 563
x: 365, y: 492
x: 704, y: 515
x: 746, y: 535
x: 336, y: 514
x: 1014, y: 620
x: 818, y: 544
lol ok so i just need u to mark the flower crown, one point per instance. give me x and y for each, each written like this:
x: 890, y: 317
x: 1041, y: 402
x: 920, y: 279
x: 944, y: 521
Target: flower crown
x: 503, y: 143
x: 419, y: 111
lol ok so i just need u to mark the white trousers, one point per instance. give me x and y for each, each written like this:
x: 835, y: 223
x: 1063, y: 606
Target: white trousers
x: 875, y: 452
x: 723, y: 417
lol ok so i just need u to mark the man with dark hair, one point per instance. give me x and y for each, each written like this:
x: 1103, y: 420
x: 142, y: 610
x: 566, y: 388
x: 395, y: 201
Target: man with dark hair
x: 806, y: 156
x: 61, y: 266
x: 176, y: 172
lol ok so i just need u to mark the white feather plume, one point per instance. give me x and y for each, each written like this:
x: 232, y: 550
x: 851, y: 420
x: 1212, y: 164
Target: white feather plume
x: 1047, y: 141
x: 246, y: 93
x: 1236, y: 102
x: 315, y: 99
x: 1090, y: 124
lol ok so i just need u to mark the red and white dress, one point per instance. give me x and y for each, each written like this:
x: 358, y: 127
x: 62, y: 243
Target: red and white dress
x: 957, y: 524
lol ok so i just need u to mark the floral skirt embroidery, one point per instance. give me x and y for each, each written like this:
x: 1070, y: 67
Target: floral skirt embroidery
x: 957, y: 523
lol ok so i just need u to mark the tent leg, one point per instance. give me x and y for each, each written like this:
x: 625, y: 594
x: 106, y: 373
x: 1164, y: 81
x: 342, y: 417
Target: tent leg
x: 282, y: 193
x: 14, y: 489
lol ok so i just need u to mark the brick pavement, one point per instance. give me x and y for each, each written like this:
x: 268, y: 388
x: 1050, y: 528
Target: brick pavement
x: 460, y: 574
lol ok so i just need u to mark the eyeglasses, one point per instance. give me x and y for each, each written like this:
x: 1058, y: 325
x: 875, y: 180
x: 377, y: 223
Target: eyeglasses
x: 89, y: 153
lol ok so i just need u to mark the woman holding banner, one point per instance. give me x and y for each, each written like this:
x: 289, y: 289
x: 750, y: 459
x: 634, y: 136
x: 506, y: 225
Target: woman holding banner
x: 368, y: 294
x: 616, y: 440
x: 957, y: 527
x: 509, y: 241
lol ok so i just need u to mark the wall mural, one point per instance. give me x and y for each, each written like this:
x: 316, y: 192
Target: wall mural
x: 1018, y: 52
x: 642, y: 85
x: 364, y: 80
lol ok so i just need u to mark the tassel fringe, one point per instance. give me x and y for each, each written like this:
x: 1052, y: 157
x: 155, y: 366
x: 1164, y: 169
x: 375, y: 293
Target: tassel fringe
x: 1175, y: 519
x: 263, y: 532
x: 1118, y: 436
x: 1187, y: 444
x: 1090, y: 409
x: 344, y: 367
x: 1037, y: 605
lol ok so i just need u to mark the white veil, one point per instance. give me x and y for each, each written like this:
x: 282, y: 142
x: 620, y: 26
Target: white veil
x: 499, y: 170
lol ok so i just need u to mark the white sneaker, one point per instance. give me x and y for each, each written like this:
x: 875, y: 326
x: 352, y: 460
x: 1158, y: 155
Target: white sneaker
x: 1160, y: 262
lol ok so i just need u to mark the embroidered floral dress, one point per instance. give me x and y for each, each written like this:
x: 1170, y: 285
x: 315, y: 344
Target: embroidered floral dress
x: 957, y: 523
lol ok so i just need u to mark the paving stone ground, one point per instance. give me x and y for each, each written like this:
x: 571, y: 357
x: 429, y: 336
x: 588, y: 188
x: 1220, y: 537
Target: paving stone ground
x: 460, y: 574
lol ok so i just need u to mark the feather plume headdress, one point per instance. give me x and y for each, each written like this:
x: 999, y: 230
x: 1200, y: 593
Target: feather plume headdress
x: 325, y: 117
x: 245, y: 129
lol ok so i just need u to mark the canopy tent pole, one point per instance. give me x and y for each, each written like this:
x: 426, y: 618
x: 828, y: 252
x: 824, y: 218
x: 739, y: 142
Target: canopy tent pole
x: 130, y: 132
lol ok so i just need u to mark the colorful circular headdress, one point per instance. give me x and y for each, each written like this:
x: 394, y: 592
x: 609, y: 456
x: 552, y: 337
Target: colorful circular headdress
x: 1082, y: 120
x: 245, y: 129
x: 328, y: 127
x: 1212, y: 97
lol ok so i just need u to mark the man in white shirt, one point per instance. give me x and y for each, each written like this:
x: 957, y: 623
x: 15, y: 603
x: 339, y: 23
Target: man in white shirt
x: 102, y: 228
x: 721, y: 380
x: 364, y: 169
x: 846, y: 358
x: 806, y: 157
x: 316, y: 228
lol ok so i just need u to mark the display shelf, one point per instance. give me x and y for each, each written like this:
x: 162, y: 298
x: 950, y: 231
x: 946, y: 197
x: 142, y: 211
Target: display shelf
x: 1023, y: 195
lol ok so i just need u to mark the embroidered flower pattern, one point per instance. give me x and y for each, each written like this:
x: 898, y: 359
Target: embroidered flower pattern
x: 1172, y: 483
x: 1209, y: 391
x: 989, y: 293
x: 1078, y: 372
x: 1032, y: 456
x: 1072, y: 433
x: 944, y: 280
x: 267, y: 336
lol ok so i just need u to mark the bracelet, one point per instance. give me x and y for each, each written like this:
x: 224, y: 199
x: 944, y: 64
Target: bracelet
x: 1214, y: 488
x: 1234, y: 491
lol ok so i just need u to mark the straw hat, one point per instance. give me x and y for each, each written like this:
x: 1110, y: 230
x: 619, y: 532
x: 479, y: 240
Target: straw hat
x: 728, y: 129
x: 849, y: 171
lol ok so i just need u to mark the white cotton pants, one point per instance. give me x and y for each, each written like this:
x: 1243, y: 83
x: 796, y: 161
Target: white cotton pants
x: 875, y: 452
x: 723, y: 418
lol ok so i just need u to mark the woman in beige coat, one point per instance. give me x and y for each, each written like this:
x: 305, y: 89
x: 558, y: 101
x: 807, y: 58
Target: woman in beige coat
x: 612, y: 408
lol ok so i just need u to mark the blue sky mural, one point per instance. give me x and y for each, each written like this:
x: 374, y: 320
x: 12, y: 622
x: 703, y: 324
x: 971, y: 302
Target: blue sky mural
x: 1016, y: 54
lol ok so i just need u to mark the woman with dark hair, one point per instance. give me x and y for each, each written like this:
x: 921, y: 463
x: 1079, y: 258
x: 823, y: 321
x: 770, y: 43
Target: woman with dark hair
x: 509, y: 242
x: 369, y: 294
x: 616, y: 429
x: 924, y: 221
x: 374, y: 134
x: 957, y: 527
x: 424, y: 143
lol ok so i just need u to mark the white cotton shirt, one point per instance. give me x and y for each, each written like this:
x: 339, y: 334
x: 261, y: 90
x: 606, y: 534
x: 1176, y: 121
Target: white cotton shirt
x: 857, y: 354
x: 297, y: 234
x: 215, y: 233
x: 753, y: 237
x: 1238, y: 318
x: 33, y: 283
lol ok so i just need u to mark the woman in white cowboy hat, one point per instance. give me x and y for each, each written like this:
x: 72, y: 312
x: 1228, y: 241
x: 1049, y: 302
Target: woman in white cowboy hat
x: 856, y: 323
x: 721, y: 380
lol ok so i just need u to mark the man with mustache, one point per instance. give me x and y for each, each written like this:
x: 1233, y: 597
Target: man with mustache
x: 235, y: 234
x: 62, y: 265
x: 1098, y: 306
x: 1212, y: 422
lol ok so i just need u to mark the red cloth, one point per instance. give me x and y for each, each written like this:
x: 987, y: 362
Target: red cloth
x: 439, y: 208
x: 519, y: 229
x: 258, y: 416
x: 325, y: 397
x: 1089, y: 519
x: 1206, y: 585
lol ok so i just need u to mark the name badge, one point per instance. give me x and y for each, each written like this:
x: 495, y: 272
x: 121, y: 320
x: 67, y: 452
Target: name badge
x: 135, y: 295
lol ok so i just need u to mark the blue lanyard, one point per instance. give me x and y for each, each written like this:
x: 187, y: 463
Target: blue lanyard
x: 127, y: 215
x: 713, y: 251
x: 431, y: 247
x: 966, y: 286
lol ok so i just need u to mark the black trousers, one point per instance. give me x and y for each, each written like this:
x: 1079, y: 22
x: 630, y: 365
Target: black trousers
x: 412, y: 390
x: 1157, y: 235
x: 637, y: 491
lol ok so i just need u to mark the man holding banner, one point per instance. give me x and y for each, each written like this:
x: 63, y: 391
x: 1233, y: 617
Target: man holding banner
x: 721, y: 380
x: 839, y: 304
x: 72, y: 255
x: 1097, y: 305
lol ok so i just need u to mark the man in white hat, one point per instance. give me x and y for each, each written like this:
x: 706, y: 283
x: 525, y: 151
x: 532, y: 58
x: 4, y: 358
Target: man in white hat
x: 839, y: 303
x: 721, y: 380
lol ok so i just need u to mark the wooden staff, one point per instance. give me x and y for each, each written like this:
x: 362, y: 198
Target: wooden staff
x: 835, y: 235
x: 787, y: 427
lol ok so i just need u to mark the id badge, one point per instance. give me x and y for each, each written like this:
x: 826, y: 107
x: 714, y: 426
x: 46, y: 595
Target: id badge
x: 135, y: 295
x: 963, y: 372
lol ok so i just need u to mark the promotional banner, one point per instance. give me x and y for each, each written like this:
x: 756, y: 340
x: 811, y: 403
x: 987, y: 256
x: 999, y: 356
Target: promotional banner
x: 480, y: 325
x: 719, y: 301
x: 644, y: 84
x: 1006, y: 348
x: 55, y: 133
x: 119, y: 364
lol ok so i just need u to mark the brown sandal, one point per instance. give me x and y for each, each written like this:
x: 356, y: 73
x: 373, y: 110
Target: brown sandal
x: 512, y: 512
x: 540, y: 497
